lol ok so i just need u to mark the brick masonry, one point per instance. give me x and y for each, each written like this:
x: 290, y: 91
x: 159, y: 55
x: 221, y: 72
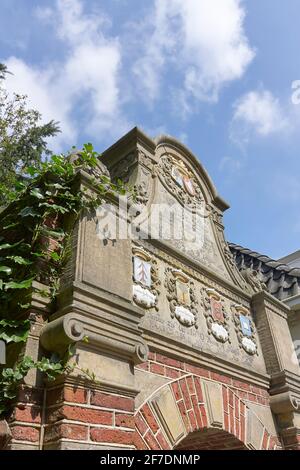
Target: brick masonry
x: 83, y: 417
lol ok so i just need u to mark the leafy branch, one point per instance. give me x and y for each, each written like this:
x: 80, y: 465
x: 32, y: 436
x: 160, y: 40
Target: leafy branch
x: 34, y: 246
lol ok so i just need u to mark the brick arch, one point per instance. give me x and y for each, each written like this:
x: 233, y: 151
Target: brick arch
x: 178, y: 412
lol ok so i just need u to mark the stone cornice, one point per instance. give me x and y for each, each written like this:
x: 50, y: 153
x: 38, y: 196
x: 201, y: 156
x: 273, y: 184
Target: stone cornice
x: 106, y: 321
x: 200, y: 358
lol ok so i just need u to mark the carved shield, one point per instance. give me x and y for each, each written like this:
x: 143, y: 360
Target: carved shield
x: 245, y: 325
x: 217, y: 310
x: 142, y: 271
x: 183, y: 292
x: 177, y: 176
x: 188, y: 184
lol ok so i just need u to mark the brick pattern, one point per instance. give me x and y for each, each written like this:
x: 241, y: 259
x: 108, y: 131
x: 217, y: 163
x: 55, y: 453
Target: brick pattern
x: 25, y: 420
x: 189, y: 398
x: 88, y: 416
x: 168, y: 367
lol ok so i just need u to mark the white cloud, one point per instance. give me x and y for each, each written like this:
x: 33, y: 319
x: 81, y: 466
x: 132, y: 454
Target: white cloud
x: 257, y: 113
x: 204, y: 39
x: 88, y: 75
x: 260, y: 110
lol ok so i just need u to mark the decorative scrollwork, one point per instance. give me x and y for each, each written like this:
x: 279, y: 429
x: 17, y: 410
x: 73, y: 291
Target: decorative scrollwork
x: 180, y: 181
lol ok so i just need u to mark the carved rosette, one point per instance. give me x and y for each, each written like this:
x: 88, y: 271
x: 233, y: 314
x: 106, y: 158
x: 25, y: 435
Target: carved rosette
x: 180, y: 181
x: 181, y: 297
x: 245, y: 329
x: 216, y: 316
x: 145, y: 279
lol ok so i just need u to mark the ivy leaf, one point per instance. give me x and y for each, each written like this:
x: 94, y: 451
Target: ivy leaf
x: 5, y: 269
x: 19, y: 285
x: 30, y: 170
x: 14, y: 331
x: 36, y: 193
x: 55, y: 256
x: 19, y: 260
x: 28, y: 212
x: 6, y: 246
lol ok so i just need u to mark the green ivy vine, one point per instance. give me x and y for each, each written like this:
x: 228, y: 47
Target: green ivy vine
x: 34, y: 235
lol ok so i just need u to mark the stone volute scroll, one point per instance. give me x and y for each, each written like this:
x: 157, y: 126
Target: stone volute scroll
x: 181, y: 297
x: 146, y: 281
x: 216, y: 316
x: 244, y: 328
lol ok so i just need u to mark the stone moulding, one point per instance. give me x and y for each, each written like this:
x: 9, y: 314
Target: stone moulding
x: 57, y: 335
x: 103, y: 321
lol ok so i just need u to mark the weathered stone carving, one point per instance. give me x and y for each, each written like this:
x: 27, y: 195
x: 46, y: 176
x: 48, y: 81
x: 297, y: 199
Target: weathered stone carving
x: 181, y: 297
x: 145, y: 278
x: 180, y: 181
x: 251, y: 276
x: 244, y: 328
x: 123, y: 169
x: 216, y: 315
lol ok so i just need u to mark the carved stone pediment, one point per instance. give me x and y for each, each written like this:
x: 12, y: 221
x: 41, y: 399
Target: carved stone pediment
x: 166, y: 177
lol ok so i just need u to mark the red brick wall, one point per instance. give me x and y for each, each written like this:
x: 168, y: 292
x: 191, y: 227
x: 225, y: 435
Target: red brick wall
x: 85, y: 417
x: 172, y: 368
x: 188, y: 394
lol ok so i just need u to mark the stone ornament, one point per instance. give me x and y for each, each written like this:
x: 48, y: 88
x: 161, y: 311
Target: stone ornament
x: 145, y: 278
x: 252, y: 277
x: 181, y: 297
x: 244, y: 328
x: 216, y: 316
x: 179, y: 180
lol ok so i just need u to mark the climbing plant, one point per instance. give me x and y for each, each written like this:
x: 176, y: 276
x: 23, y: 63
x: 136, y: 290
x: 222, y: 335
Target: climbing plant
x: 35, y: 232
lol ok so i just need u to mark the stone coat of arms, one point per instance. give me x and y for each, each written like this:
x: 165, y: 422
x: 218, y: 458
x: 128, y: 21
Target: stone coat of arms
x: 145, y: 279
x: 181, y: 297
x: 216, y: 315
x: 244, y: 328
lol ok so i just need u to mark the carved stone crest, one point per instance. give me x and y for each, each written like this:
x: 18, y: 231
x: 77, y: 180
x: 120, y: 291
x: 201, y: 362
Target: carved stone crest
x: 145, y: 279
x: 244, y: 328
x: 181, y: 297
x: 180, y: 180
x: 216, y: 315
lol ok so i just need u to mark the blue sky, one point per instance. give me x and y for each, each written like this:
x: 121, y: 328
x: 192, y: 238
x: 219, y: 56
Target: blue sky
x: 216, y: 74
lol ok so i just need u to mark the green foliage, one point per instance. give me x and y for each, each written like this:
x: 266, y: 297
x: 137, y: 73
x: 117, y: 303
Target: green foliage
x: 23, y: 139
x: 11, y: 378
x: 34, y: 246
